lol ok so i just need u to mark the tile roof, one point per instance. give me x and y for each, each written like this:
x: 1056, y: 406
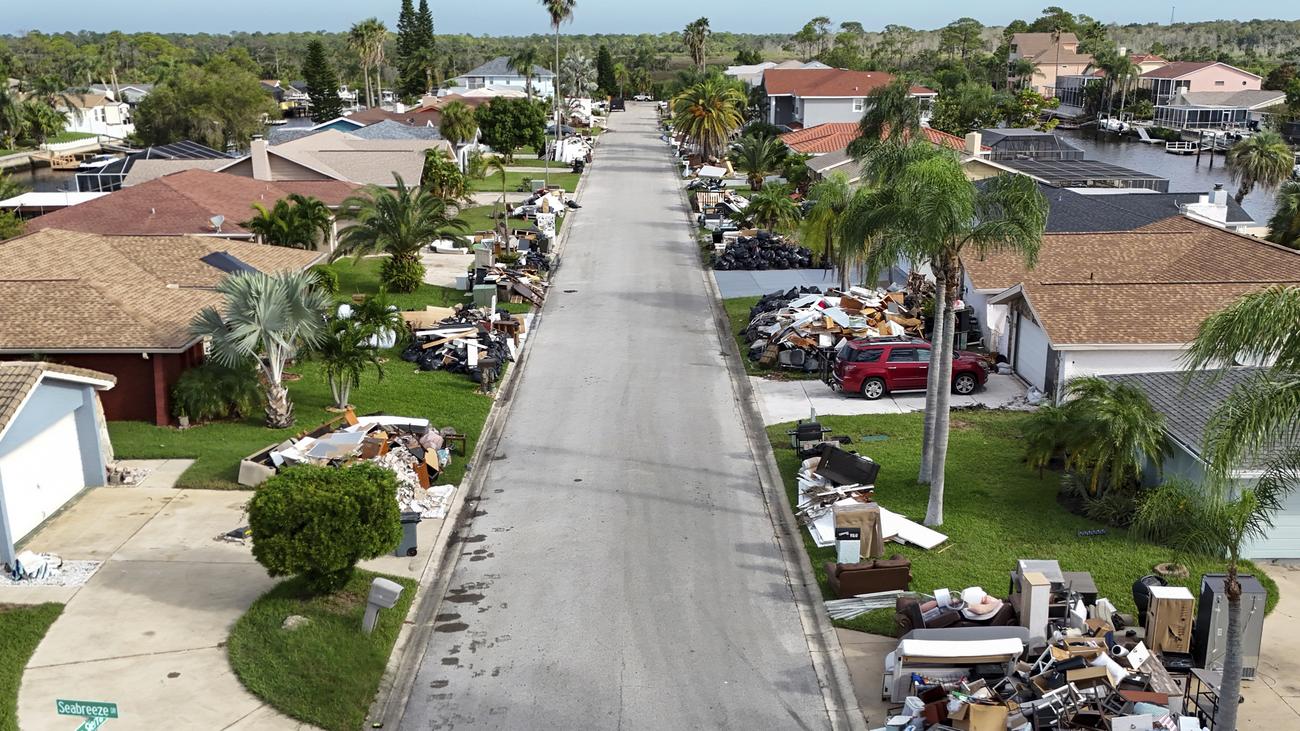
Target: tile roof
x: 824, y: 82
x: 836, y: 136
x: 1189, y: 400
x: 19, y: 377
x: 1137, y: 287
x: 184, y: 203
x: 76, y: 291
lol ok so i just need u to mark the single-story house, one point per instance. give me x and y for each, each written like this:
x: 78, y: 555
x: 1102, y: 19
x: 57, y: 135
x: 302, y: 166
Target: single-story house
x: 749, y: 74
x: 197, y: 202
x: 1188, y: 405
x: 1070, y: 211
x: 1101, y: 303
x: 338, y: 156
x: 806, y: 97
x: 122, y: 305
x: 97, y: 114
x: 1165, y: 83
x: 53, y: 444
x: 1218, y: 109
x: 498, y: 73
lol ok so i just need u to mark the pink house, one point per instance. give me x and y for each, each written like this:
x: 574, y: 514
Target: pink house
x: 1168, y: 81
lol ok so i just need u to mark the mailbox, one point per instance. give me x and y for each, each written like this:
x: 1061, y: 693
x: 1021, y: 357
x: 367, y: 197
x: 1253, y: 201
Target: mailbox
x: 383, y: 595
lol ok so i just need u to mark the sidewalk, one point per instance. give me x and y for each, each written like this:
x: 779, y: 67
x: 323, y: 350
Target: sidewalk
x: 148, y: 631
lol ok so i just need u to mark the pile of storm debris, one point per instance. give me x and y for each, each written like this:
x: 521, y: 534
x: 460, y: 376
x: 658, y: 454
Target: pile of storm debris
x: 761, y: 251
x: 803, y: 327
x: 474, y: 341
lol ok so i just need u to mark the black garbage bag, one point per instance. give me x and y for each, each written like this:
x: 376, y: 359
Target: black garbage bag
x: 412, y: 352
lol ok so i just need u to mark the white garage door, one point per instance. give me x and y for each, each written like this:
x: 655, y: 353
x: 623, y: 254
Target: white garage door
x: 1031, y: 353
x: 41, y: 475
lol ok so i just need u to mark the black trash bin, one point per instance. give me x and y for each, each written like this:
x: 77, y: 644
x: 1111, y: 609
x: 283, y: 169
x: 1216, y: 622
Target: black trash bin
x: 408, y: 545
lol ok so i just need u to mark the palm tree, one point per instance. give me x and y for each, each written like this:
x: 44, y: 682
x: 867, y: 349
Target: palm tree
x: 398, y: 223
x: 458, y: 124
x: 1257, y: 416
x: 345, y: 354
x: 523, y: 62
x: 823, y: 225
x: 696, y: 38
x: 9, y: 187
x: 1284, y: 226
x: 296, y: 221
x: 266, y: 318
x: 366, y: 39
x: 41, y: 121
x: 496, y: 165
x: 1022, y: 70
x: 708, y: 112
x: 1112, y: 431
x: 426, y: 59
x: 772, y: 209
x: 1263, y: 160
x: 11, y: 119
x: 926, y: 209
x: 560, y: 12
x: 894, y: 115
x: 756, y: 156
x: 579, y: 74
x: 620, y: 78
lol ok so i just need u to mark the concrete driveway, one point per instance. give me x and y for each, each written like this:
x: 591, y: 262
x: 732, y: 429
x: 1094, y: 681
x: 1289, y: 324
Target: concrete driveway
x: 782, y: 401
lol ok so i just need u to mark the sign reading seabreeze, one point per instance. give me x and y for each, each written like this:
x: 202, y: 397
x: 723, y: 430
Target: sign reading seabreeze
x: 86, y: 709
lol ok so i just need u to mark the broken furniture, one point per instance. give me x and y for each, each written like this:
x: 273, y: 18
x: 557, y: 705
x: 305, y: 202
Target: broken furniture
x: 458, y: 342
x: 869, y: 577
x: 956, y: 652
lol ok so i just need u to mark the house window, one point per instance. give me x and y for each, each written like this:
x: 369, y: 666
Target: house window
x: 859, y: 105
x: 1218, y: 83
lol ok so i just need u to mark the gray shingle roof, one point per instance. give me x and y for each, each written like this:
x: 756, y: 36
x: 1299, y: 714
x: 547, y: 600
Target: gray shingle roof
x: 500, y: 66
x: 392, y: 130
x: 1071, y: 212
x: 1189, y: 404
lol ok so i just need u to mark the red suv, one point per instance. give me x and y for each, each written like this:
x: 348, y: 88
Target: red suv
x: 876, y: 366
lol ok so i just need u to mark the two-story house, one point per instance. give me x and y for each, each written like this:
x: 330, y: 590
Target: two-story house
x: 802, y: 98
x: 1166, y: 82
x: 498, y: 73
x: 97, y: 114
x: 1207, y: 95
x: 1052, y: 55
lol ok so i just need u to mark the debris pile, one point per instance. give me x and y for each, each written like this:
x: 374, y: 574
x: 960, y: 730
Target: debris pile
x: 46, y: 569
x: 802, y: 328
x: 468, y: 341
x: 761, y: 252
x: 120, y: 473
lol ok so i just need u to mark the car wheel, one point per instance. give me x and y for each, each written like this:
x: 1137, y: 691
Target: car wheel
x: 873, y: 388
x: 964, y: 384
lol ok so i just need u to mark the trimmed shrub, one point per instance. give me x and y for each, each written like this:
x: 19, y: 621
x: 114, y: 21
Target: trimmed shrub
x: 213, y: 391
x: 1174, y: 514
x: 318, y: 522
x: 400, y: 274
x: 326, y: 278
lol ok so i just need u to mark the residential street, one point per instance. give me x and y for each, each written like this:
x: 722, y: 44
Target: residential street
x: 621, y: 571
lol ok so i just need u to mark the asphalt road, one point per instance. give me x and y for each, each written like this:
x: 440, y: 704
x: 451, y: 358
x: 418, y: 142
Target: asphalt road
x: 621, y: 571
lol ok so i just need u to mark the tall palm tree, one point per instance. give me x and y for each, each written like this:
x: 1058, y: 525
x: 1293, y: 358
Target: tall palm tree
x: 1284, y: 226
x: 366, y: 39
x: 1256, y: 418
x: 560, y: 12
x: 1022, y: 70
x: 345, y: 354
x: 398, y: 223
x: 696, y: 39
x: 756, y: 156
x: 1263, y: 160
x: 523, y: 62
x: 772, y: 209
x: 926, y: 209
x: 823, y: 225
x: 265, y: 318
x: 296, y: 221
x: 620, y: 78
x: 426, y: 59
x: 458, y: 124
x: 894, y: 116
x: 708, y: 112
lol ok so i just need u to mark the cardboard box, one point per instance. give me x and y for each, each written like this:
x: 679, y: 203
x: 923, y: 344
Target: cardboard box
x: 1087, y: 648
x: 1169, y: 619
x: 980, y: 717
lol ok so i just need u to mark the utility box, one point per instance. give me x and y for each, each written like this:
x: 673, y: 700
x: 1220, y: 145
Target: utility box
x: 1212, y: 623
x: 485, y: 296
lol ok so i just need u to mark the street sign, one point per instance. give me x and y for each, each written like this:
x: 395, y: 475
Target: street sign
x: 92, y: 723
x: 86, y: 709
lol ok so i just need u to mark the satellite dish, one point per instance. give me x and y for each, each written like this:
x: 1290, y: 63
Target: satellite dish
x: 216, y: 221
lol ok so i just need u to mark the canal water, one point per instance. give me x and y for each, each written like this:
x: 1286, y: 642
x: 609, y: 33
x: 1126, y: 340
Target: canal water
x: 45, y: 179
x: 1182, y: 171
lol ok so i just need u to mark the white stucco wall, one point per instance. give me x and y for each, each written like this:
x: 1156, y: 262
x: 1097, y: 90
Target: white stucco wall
x: 1076, y: 363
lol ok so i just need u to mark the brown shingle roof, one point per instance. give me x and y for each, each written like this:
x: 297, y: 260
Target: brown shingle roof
x: 1029, y: 45
x: 184, y: 203
x: 1177, y: 69
x: 1154, y: 285
x: 19, y: 377
x: 76, y: 291
x: 824, y: 82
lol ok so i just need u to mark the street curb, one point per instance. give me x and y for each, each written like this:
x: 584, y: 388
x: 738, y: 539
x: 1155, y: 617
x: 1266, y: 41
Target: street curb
x: 842, y: 708
x: 398, y: 682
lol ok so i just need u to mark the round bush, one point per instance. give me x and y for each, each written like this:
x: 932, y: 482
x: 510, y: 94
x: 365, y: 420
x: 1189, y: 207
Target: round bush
x: 320, y: 521
x: 401, y: 274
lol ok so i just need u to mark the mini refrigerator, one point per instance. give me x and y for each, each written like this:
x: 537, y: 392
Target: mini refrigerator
x: 1211, y: 633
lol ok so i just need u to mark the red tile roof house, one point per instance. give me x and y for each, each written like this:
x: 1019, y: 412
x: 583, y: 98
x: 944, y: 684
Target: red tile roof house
x: 121, y: 305
x: 802, y: 98
x: 187, y: 202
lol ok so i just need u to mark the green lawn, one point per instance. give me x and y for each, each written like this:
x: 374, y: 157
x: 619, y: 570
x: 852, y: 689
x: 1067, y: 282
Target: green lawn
x: 996, y: 510
x: 480, y: 218
x: 522, y: 161
x: 447, y: 399
x: 21, y: 630
x: 492, y: 183
x: 327, y: 672
x: 69, y: 137
x: 738, y: 312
